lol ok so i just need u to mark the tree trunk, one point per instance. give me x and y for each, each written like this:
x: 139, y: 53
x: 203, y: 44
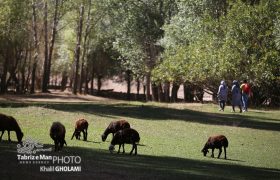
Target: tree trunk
x: 99, y: 83
x: 53, y: 35
x: 138, y: 88
x: 144, y: 87
x: 199, y: 93
x: 72, y: 75
x: 15, y: 80
x: 4, y: 76
x: 13, y: 73
x: 86, y: 85
x: 152, y: 53
x: 174, y: 92
x: 55, y: 81
x: 78, y: 49
x: 45, y: 74
x: 188, y: 92
x: 148, y: 86
x: 128, y: 80
x: 35, y: 39
x: 160, y: 93
x: 86, y: 80
x: 91, y: 83
x: 166, y: 91
x: 22, y: 87
x: 22, y: 71
x: 85, y: 47
x: 27, y: 81
x: 154, y: 92
x: 33, y: 76
x: 64, y: 80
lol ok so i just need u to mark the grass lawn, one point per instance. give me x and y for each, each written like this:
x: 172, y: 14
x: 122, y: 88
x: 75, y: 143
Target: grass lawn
x: 172, y: 136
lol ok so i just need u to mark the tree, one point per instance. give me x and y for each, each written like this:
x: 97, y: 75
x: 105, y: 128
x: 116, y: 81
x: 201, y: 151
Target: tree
x: 46, y: 42
x: 206, y: 42
x: 137, y: 35
x: 83, y: 77
x: 36, y: 45
x: 49, y: 44
x: 78, y: 48
x: 252, y: 49
x: 13, y: 40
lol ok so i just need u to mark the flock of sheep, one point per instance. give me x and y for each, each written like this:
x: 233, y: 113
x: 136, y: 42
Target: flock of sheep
x: 122, y: 134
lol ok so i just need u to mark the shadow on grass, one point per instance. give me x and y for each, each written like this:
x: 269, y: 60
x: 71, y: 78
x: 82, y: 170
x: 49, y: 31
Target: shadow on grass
x: 46, y: 96
x: 87, y: 141
x: 95, y: 142
x: 100, y: 164
x: 236, y: 160
x: 228, y: 159
x: 148, y: 112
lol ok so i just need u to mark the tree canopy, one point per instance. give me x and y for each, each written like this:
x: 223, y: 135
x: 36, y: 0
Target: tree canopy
x: 159, y: 43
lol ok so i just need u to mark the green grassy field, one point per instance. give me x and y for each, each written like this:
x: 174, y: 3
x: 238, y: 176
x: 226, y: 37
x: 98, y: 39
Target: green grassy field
x: 172, y: 136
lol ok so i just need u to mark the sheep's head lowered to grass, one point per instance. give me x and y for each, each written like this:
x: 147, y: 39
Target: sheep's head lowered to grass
x: 9, y: 123
x: 125, y: 136
x: 111, y: 148
x: 114, y: 127
x: 216, y: 142
x: 205, y: 151
x: 81, y: 125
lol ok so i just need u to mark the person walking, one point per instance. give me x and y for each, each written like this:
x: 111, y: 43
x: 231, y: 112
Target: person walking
x: 246, y: 93
x: 222, y: 95
x: 236, y: 96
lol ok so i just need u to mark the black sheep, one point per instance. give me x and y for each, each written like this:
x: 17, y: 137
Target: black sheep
x: 10, y: 124
x: 125, y: 136
x: 113, y: 127
x: 80, y: 126
x: 217, y: 142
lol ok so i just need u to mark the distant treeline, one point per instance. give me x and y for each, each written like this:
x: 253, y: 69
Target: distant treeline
x: 160, y: 44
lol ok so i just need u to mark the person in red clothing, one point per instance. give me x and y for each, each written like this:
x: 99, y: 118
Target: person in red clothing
x: 246, y: 93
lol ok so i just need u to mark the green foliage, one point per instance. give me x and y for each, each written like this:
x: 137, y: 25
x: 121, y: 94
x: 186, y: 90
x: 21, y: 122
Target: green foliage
x: 65, y: 45
x: 136, y: 25
x: 102, y: 62
x: 249, y: 43
x: 13, y: 20
x: 172, y: 69
x: 198, y: 41
x: 221, y: 41
x: 14, y: 29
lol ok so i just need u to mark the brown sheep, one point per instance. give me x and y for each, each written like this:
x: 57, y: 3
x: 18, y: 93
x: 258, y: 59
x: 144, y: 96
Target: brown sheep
x: 57, y: 133
x: 113, y: 127
x: 10, y: 124
x: 217, y: 142
x: 125, y: 136
x: 80, y: 126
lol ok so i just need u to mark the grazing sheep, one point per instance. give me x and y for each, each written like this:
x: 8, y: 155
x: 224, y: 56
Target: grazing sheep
x: 10, y: 124
x: 57, y: 133
x: 80, y: 126
x: 217, y: 142
x: 125, y: 136
x: 113, y: 127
